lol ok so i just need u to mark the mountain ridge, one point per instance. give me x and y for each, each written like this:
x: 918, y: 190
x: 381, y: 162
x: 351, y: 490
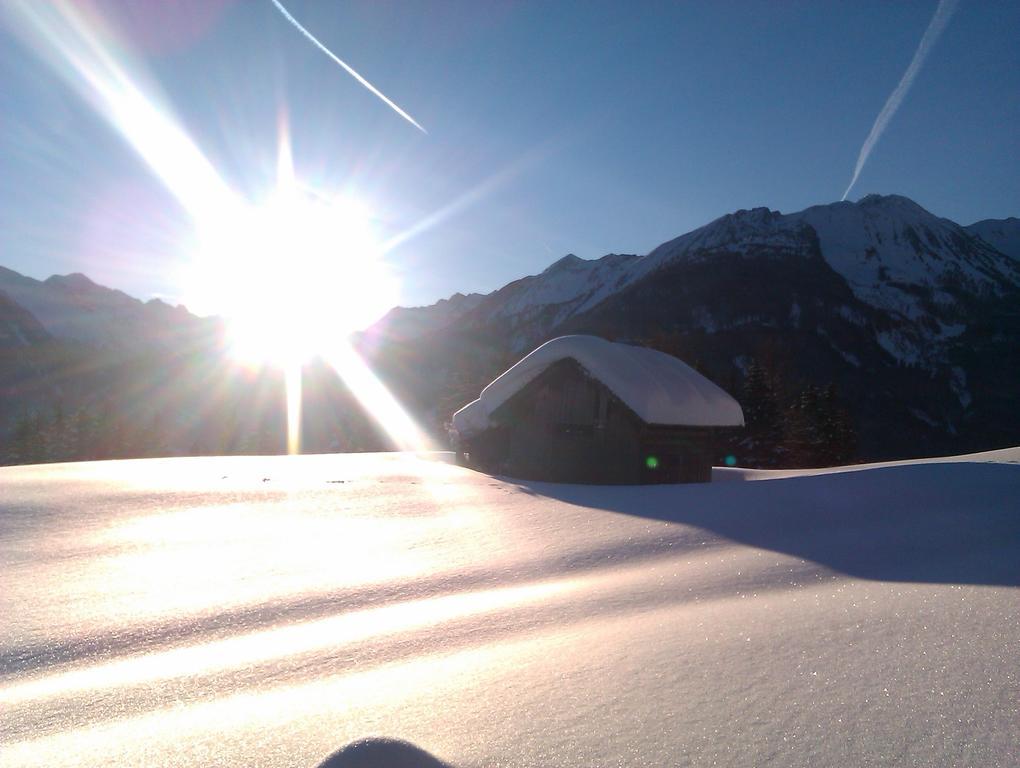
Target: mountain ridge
x: 925, y: 255
x: 911, y: 321
x: 73, y: 307
x: 907, y: 313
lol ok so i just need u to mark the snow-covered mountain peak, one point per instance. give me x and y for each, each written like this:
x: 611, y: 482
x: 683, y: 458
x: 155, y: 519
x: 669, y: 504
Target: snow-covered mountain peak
x: 741, y: 224
x: 741, y: 231
x: 570, y: 261
x: 894, y: 256
x: 760, y: 215
x: 1002, y: 234
x: 464, y: 301
x: 877, y: 213
x: 573, y: 283
x: 889, y: 201
x: 889, y: 240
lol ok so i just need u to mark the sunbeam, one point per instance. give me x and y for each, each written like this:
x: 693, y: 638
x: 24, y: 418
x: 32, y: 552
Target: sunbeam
x: 293, y: 385
x: 377, y: 399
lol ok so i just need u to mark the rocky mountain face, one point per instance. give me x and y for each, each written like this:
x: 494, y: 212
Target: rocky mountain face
x: 912, y: 318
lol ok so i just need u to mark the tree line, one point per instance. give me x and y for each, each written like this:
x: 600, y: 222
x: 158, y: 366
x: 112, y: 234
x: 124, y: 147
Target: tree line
x: 786, y: 426
x: 788, y: 422
x: 85, y: 434
x: 809, y: 427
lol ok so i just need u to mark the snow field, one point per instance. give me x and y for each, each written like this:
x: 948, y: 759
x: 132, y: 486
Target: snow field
x: 861, y: 617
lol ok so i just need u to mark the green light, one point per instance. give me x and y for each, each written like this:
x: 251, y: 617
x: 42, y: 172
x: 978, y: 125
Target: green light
x: 731, y: 460
x: 652, y: 462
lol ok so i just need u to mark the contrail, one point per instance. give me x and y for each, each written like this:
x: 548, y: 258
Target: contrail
x: 931, y: 35
x: 350, y: 70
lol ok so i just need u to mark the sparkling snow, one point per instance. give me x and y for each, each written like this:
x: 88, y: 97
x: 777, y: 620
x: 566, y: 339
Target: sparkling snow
x: 264, y: 611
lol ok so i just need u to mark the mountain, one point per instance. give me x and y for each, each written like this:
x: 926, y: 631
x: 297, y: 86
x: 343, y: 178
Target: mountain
x: 892, y: 254
x: 916, y: 275
x: 876, y: 314
x: 406, y: 323
x: 87, y: 372
x: 1003, y: 234
x: 18, y: 327
x: 911, y: 317
x: 72, y: 307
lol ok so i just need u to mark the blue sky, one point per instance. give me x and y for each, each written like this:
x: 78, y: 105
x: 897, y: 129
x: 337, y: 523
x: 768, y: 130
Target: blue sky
x: 582, y: 127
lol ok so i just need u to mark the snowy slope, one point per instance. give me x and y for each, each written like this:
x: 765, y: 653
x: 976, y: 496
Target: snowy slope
x: 1003, y: 234
x: 265, y: 611
x: 572, y: 284
x: 886, y: 247
x: 895, y: 256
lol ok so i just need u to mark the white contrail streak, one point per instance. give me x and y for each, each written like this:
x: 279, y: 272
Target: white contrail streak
x: 350, y: 70
x: 931, y: 35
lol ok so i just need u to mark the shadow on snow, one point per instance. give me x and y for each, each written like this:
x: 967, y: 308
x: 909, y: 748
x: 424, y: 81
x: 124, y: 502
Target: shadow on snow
x: 955, y: 523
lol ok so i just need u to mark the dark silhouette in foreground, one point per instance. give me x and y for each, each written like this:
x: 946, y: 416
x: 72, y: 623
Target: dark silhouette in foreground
x: 381, y: 753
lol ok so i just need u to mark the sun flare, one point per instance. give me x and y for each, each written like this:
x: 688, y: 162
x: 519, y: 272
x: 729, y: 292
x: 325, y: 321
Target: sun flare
x: 293, y: 275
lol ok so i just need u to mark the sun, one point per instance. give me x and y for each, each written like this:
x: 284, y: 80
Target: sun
x: 293, y: 275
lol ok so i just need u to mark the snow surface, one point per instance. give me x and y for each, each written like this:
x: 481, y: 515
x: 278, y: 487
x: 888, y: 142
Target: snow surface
x: 266, y: 611
x: 1003, y: 234
x: 658, y: 387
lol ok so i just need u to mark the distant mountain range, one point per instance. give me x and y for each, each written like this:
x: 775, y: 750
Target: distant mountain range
x: 73, y: 308
x: 912, y: 318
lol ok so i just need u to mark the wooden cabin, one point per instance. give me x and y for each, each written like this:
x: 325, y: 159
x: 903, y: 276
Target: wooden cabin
x: 581, y: 409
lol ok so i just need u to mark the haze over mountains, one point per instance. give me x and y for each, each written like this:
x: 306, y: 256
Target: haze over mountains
x: 73, y: 308
x: 912, y: 318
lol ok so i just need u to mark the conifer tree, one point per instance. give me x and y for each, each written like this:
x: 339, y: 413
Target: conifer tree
x: 764, y: 428
x: 805, y: 430
x: 839, y: 439
x: 83, y: 436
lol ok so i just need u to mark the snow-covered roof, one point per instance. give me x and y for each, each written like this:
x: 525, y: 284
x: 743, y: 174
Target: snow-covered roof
x: 659, y: 388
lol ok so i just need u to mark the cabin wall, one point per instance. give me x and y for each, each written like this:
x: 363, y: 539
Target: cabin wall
x: 681, y: 454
